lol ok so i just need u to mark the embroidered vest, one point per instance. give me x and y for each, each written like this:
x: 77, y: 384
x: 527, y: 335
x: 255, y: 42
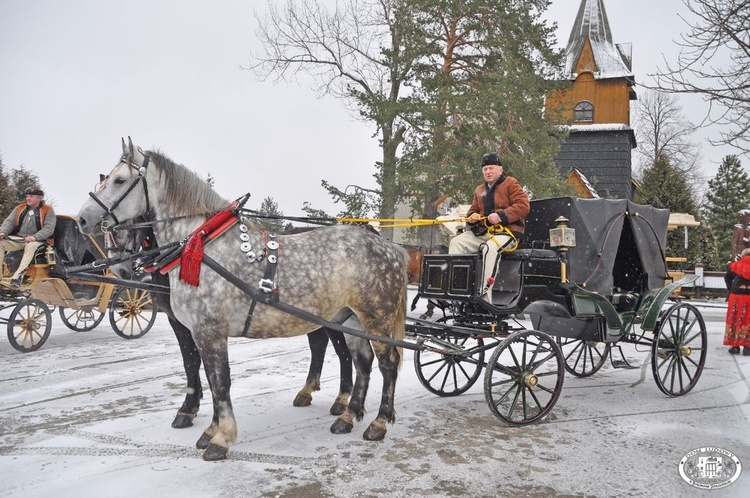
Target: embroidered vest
x: 23, y: 209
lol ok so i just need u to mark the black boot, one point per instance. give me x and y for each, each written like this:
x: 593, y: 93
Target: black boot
x: 746, y: 351
x: 734, y: 350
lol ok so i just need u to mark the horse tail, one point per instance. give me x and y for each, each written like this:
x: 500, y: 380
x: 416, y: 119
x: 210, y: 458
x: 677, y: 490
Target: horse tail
x: 399, y: 326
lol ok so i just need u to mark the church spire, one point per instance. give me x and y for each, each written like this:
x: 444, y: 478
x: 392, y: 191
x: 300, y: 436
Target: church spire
x: 600, y: 55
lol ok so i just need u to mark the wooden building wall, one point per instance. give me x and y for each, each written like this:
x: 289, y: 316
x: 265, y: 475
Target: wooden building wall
x: 610, y: 97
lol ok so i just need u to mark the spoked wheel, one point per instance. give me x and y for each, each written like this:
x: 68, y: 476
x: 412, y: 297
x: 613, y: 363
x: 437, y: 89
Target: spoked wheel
x: 82, y: 319
x: 29, y: 325
x: 583, y: 358
x: 132, y: 312
x: 679, y: 350
x: 524, y: 377
x: 447, y: 374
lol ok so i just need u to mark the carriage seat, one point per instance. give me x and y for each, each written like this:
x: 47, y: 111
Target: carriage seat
x: 624, y: 301
x: 514, y: 267
x: 531, y: 253
x: 13, y: 259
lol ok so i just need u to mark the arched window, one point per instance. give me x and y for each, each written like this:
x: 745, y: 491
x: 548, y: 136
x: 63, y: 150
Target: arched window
x: 583, y: 111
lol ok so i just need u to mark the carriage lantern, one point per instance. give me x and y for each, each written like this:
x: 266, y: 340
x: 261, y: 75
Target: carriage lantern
x: 563, y: 238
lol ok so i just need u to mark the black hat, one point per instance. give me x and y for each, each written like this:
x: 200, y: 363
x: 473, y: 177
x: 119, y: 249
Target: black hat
x: 33, y: 191
x: 489, y: 159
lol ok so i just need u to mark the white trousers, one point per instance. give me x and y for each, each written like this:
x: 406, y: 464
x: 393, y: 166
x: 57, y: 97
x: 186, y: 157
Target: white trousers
x: 489, y: 245
x: 29, y: 248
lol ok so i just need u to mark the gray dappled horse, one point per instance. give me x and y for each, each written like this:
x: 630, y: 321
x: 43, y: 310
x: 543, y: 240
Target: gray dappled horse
x: 127, y: 241
x: 323, y: 272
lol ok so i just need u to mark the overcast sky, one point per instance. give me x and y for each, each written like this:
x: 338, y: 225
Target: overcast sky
x: 76, y: 75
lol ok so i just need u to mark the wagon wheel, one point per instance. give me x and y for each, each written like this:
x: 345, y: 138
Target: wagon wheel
x: 132, y: 312
x: 679, y: 350
x: 451, y: 374
x: 524, y: 377
x: 82, y: 319
x: 29, y: 325
x: 583, y: 358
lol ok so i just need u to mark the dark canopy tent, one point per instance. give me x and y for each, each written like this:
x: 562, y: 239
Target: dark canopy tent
x: 619, y: 244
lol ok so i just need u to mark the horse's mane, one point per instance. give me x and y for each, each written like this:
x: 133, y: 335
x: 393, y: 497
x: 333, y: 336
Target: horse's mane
x: 184, y: 192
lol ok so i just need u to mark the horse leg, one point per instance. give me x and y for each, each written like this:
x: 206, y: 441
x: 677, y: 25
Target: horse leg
x: 318, y: 341
x: 222, y: 432
x: 362, y: 357
x: 191, y: 359
x: 389, y: 360
x: 345, y: 369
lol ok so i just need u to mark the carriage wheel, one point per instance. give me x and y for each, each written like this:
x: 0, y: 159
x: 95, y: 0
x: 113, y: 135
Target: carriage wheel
x: 583, y: 358
x: 81, y: 319
x: 679, y: 350
x: 29, y: 325
x: 524, y: 377
x: 451, y: 374
x: 132, y: 312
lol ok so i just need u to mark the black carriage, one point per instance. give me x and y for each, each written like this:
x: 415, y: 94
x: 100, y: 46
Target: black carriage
x: 82, y: 303
x: 563, y: 300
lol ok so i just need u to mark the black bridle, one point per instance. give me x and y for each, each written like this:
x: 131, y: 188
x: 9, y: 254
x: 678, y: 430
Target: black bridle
x: 109, y: 211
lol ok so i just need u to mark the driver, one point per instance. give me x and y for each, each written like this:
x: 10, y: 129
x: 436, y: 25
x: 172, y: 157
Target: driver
x: 26, y: 228
x: 500, y: 200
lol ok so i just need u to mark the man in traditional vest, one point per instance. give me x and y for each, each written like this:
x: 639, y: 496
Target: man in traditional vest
x: 26, y: 228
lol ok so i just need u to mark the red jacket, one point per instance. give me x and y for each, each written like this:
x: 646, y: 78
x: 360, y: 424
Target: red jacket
x: 511, y: 203
x: 741, y: 267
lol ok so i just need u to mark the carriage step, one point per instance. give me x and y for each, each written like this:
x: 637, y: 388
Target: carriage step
x: 623, y: 364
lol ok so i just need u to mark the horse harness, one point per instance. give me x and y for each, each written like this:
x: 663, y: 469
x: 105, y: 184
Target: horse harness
x: 190, y: 251
x: 270, y: 252
x: 141, y: 177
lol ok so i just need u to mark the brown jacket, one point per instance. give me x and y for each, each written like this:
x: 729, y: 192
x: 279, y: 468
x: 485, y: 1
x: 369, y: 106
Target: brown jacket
x: 511, y: 203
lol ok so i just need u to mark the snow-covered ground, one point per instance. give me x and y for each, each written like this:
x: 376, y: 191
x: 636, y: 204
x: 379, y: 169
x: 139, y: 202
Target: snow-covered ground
x: 89, y: 415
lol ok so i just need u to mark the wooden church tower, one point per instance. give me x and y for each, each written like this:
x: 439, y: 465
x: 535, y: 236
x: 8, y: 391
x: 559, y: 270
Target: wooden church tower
x: 597, y: 152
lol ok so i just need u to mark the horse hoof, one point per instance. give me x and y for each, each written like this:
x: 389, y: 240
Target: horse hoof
x: 215, y: 452
x: 338, y: 408
x: 374, y: 433
x: 341, y: 427
x: 302, y: 400
x: 203, y: 442
x: 182, y: 420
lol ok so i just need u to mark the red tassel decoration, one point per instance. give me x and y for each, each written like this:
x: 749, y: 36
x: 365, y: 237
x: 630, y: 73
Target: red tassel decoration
x: 192, y: 253
x: 192, y: 256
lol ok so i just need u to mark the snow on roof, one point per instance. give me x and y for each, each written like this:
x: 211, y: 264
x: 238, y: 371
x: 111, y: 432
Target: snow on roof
x: 612, y: 61
x: 599, y: 127
x: 586, y: 183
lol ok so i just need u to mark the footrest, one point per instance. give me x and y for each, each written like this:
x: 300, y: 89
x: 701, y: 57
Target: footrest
x: 623, y: 364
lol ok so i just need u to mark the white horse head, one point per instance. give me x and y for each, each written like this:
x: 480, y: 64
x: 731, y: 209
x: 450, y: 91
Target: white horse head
x: 127, y: 180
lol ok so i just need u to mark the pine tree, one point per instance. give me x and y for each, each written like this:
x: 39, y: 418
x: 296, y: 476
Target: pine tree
x: 7, y: 196
x: 273, y: 218
x: 663, y: 185
x: 21, y: 179
x: 728, y: 193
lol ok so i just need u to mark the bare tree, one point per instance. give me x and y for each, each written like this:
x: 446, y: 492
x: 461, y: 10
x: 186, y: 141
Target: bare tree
x: 664, y: 132
x: 357, y: 52
x: 714, y: 62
